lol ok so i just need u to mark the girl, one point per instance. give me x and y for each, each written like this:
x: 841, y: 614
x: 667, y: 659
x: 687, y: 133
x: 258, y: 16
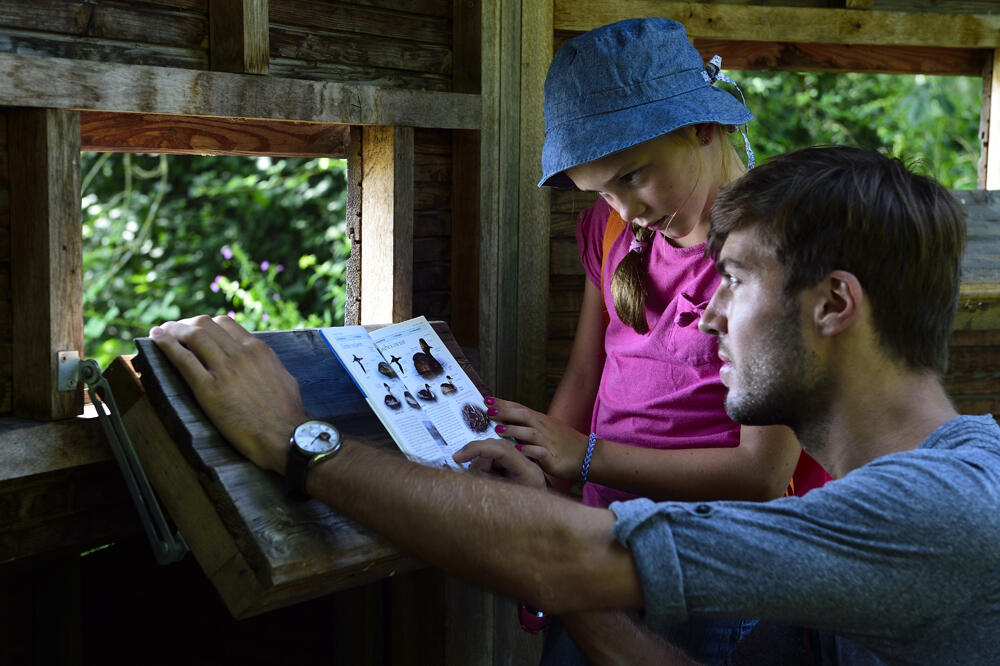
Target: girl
x: 631, y: 114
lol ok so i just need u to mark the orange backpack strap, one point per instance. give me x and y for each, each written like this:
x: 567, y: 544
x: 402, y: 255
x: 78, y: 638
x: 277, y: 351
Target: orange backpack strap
x: 612, y: 230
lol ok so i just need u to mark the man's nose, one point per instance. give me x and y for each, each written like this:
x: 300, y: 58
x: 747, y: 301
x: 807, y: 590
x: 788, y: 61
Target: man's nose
x: 712, y: 322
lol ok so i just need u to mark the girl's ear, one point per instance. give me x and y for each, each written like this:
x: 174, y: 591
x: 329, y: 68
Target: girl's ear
x: 839, y: 300
x: 704, y: 133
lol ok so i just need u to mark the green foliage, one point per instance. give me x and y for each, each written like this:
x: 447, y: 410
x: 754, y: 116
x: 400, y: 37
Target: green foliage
x: 172, y: 236
x: 929, y: 119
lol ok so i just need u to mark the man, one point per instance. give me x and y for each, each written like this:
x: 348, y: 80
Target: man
x: 840, y: 276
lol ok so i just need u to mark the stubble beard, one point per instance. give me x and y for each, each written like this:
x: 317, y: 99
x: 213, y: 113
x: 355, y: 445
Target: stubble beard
x: 783, y: 383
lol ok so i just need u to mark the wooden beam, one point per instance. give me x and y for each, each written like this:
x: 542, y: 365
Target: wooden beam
x: 85, y: 85
x: 238, y: 31
x: 46, y: 258
x: 155, y: 133
x: 387, y: 225
x: 874, y: 58
x: 791, y: 24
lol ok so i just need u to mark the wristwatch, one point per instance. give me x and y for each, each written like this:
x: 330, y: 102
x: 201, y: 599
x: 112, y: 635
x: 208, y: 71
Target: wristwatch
x: 311, y: 442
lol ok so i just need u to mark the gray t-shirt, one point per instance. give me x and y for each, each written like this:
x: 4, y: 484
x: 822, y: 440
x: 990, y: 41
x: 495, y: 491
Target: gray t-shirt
x: 901, y: 555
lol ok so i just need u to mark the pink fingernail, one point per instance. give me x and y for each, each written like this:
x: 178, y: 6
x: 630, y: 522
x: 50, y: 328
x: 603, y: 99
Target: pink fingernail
x: 492, y: 411
x: 500, y: 429
x: 490, y: 400
x: 517, y: 446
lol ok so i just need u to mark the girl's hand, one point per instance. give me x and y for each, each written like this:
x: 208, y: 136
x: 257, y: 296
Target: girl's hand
x: 555, y: 446
x: 501, y: 457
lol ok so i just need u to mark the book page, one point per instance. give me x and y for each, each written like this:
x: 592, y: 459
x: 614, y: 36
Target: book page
x: 436, y: 381
x: 389, y: 397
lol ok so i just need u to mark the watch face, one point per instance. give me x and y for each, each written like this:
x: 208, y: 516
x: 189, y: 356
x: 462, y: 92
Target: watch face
x: 316, y: 437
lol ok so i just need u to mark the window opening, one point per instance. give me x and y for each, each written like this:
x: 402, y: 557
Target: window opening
x: 168, y: 236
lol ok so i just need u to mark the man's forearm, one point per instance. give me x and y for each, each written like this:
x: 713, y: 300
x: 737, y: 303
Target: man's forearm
x: 546, y: 550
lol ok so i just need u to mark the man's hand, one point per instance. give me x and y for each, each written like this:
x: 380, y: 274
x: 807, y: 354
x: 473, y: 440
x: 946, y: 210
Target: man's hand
x: 500, y: 457
x: 239, y: 382
x: 557, y: 447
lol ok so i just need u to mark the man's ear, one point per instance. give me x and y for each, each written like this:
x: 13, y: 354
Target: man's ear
x: 839, y: 300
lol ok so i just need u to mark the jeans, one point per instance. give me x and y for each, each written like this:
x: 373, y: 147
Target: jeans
x: 706, y: 640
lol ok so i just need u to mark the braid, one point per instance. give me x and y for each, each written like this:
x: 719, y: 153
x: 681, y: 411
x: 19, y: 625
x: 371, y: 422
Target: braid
x: 628, y: 284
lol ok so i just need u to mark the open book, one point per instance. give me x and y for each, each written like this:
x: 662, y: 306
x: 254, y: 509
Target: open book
x: 416, y: 387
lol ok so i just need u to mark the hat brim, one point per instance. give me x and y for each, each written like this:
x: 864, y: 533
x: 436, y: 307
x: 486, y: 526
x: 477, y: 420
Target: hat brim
x: 580, y: 142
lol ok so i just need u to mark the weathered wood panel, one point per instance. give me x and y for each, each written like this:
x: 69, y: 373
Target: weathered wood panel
x: 171, y: 34
x: 58, y: 83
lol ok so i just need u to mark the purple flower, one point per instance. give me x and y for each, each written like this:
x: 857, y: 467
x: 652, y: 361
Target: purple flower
x: 231, y: 314
x: 226, y: 252
x: 276, y: 297
x: 280, y: 267
x: 214, y: 287
x: 264, y: 265
x: 265, y: 316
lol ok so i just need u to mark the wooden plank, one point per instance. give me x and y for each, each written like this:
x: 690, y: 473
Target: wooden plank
x: 46, y: 258
x: 991, y: 140
x: 324, y: 17
x: 984, y: 120
x: 791, y: 24
x: 59, y: 83
x: 352, y: 272
x: 152, y: 133
x: 534, y: 205
x: 465, y: 177
x: 131, y: 22
x: 873, y: 58
x: 95, y: 51
x: 362, y: 51
x: 387, y: 225
x: 238, y: 36
x: 374, y: 76
x: 259, y: 549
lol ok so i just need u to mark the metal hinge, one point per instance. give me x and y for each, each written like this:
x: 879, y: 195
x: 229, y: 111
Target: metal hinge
x: 168, y: 545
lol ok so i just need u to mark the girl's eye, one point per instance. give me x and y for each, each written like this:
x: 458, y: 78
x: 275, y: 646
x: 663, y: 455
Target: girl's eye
x: 732, y: 280
x: 631, y: 178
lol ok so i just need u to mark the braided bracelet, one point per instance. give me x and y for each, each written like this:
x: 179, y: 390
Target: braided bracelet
x: 585, y: 469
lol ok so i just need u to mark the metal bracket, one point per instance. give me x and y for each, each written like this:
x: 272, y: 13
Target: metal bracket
x: 168, y: 546
x: 67, y: 370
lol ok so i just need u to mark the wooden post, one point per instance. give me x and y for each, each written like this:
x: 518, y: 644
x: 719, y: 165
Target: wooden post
x: 46, y: 258
x: 239, y: 37
x: 387, y: 228
x: 517, y: 49
x: 990, y: 175
x: 465, y: 223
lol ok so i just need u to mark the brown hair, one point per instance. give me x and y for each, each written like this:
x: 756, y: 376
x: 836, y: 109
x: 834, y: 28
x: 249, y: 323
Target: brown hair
x: 628, y: 284
x: 901, y: 234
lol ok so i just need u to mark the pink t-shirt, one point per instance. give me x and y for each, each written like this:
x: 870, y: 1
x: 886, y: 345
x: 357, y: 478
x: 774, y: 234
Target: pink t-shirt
x: 659, y: 390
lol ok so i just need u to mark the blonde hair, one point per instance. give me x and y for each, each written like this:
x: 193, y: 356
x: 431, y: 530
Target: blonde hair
x: 628, y: 284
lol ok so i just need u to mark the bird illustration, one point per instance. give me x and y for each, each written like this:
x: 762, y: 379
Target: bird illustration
x: 357, y: 360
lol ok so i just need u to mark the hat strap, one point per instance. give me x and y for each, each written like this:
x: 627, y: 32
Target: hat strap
x: 713, y: 71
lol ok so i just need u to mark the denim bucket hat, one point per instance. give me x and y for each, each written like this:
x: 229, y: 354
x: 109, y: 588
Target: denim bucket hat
x: 620, y: 85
